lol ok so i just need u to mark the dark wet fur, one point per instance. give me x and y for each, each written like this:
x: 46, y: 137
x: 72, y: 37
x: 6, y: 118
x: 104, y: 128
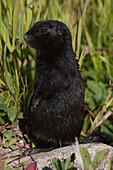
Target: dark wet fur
x: 56, y: 104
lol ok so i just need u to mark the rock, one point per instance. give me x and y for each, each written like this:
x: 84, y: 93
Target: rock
x: 44, y: 160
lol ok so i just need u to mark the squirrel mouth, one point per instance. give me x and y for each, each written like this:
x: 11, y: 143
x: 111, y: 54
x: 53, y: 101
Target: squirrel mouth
x: 27, y: 38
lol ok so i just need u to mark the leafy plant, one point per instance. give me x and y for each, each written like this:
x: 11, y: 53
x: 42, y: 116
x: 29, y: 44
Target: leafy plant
x: 69, y: 164
x: 99, y: 157
x: 64, y: 165
x: 10, y: 142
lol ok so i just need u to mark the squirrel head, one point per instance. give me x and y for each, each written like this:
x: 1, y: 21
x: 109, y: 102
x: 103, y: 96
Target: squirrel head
x: 48, y: 35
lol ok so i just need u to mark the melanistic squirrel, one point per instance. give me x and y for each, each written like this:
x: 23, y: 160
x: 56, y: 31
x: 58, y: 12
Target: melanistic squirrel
x: 56, y: 104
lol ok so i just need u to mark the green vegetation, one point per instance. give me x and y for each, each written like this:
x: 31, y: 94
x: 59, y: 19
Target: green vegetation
x: 91, y: 25
x: 64, y: 165
x: 87, y: 163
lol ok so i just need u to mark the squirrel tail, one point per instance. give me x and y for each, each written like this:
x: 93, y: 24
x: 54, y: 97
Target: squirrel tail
x: 97, y: 136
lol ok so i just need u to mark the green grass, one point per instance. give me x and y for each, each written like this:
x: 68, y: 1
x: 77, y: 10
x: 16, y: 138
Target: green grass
x: 91, y: 25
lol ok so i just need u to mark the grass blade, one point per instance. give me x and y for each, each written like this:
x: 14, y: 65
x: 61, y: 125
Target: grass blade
x: 15, y: 19
x: 5, y: 35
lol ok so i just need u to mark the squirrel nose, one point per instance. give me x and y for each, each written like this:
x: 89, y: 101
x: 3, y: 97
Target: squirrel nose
x: 25, y: 37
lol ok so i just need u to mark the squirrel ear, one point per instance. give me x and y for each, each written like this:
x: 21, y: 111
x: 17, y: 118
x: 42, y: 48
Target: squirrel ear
x: 59, y: 30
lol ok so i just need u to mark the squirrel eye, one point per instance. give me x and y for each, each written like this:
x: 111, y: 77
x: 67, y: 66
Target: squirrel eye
x: 43, y: 30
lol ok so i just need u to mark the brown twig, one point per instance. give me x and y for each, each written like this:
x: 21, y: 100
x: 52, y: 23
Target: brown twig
x: 103, y: 50
x: 34, y: 162
x: 30, y: 152
x: 19, y: 147
x: 15, y: 159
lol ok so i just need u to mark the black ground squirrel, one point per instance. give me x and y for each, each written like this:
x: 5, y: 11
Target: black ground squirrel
x: 56, y: 104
